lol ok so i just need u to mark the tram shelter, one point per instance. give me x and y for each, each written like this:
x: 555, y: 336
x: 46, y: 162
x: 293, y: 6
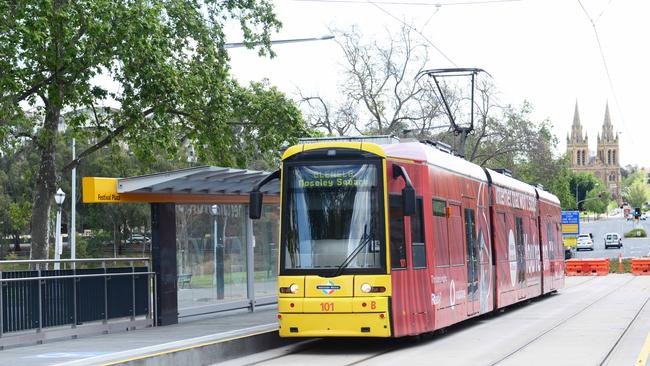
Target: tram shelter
x: 207, y: 254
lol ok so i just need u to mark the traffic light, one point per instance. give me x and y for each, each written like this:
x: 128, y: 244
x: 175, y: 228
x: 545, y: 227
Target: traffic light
x: 637, y: 212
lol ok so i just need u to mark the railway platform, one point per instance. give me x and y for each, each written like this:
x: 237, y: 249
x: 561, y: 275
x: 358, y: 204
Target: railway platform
x: 198, y: 340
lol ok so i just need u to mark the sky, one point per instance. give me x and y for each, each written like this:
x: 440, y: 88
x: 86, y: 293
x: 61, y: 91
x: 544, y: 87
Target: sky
x: 542, y: 51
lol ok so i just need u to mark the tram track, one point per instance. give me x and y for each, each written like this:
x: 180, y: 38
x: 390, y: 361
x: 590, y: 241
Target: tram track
x: 315, y: 345
x: 565, y: 320
x: 299, y: 353
x: 625, y: 331
x: 578, y: 284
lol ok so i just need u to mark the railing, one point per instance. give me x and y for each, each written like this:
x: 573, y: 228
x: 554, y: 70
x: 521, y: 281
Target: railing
x: 40, y: 303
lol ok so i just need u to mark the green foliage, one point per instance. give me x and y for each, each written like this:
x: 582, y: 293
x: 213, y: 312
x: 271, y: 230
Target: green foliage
x: 637, y: 193
x: 161, y: 65
x: 597, y: 200
x: 632, y: 178
x: 583, y: 183
x: 636, y: 233
x: 93, y: 246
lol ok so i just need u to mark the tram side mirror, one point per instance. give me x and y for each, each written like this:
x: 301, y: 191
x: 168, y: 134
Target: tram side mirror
x: 408, y: 201
x: 255, y: 205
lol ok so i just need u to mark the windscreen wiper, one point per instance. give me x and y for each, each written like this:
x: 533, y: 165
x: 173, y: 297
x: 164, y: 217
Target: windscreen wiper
x: 364, y: 241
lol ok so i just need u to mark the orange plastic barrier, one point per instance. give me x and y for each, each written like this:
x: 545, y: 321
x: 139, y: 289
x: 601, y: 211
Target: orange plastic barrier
x: 640, y: 266
x: 587, y: 267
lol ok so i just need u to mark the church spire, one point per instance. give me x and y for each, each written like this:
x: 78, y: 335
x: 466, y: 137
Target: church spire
x: 608, y: 121
x: 576, y: 117
x: 576, y: 128
x: 608, y: 130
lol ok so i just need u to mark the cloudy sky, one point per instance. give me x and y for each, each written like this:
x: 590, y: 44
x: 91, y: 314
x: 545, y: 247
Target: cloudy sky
x: 543, y: 51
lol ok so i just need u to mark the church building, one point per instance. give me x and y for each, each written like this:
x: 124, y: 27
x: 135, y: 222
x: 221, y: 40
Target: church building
x: 604, y: 163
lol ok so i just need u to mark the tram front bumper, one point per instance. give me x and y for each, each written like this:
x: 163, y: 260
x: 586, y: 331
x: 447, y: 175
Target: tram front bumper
x: 340, y: 317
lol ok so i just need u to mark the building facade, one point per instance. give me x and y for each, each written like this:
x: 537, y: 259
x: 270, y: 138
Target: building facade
x: 604, y: 162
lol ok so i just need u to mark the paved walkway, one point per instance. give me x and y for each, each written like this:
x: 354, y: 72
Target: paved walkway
x: 92, y: 350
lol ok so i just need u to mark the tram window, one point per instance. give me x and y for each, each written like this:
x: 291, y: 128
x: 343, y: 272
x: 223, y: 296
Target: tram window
x: 396, y: 227
x: 550, y: 238
x: 521, y: 261
x: 439, y: 208
x: 418, y: 251
x: 440, y: 239
x: 501, y: 222
x: 470, y: 234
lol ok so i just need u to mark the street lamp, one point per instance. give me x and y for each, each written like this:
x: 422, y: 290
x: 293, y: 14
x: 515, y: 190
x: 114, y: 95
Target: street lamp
x: 217, y: 256
x: 59, y: 197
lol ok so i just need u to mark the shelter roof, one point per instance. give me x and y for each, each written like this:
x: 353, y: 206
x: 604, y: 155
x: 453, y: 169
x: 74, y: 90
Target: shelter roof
x: 198, y: 180
x: 204, y: 184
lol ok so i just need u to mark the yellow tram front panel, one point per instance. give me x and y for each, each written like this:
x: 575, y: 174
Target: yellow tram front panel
x: 316, y: 286
x: 334, y: 325
x: 334, y: 307
x: 355, y: 303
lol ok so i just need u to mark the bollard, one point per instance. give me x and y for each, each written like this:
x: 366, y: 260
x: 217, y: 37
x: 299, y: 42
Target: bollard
x: 620, y: 263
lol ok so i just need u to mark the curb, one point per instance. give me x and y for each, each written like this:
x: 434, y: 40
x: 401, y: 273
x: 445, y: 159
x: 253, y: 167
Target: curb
x: 197, y: 351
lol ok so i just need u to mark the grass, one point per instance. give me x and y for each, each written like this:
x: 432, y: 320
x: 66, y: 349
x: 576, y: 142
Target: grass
x: 636, y: 233
x: 613, y: 265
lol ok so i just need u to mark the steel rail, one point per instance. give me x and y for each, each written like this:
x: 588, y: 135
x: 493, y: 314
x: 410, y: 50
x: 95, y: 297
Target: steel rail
x: 623, y: 334
x: 560, y: 323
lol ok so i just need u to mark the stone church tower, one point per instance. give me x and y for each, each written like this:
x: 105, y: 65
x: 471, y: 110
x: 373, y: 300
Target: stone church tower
x: 604, y: 164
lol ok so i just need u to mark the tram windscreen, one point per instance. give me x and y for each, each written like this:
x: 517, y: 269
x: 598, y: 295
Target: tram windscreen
x: 332, y: 216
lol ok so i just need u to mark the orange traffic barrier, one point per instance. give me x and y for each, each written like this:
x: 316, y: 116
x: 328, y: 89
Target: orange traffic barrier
x: 640, y: 266
x: 587, y: 267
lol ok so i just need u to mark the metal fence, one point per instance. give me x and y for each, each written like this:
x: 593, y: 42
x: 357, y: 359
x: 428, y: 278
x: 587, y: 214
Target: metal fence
x: 41, y: 303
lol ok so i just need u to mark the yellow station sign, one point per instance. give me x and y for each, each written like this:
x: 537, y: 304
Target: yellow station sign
x: 101, y: 190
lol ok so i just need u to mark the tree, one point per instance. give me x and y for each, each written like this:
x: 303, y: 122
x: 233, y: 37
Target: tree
x: 168, y: 72
x: 380, y: 93
x: 597, y: 199
x: 637, y: 194
x: 581, y: 184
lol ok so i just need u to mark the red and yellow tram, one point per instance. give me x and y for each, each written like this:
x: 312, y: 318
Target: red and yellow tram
x: 402, y: 239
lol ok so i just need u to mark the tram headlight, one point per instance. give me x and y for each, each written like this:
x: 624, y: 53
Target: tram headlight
x: 293, y: 288
x: 366, y: 288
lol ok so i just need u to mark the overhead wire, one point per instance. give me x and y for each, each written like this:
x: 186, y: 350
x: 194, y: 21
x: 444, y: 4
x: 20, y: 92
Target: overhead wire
x: 607, y: 73
x: 416, y: 31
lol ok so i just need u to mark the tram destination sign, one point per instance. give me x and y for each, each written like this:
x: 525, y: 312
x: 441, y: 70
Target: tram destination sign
x: 570, y: 222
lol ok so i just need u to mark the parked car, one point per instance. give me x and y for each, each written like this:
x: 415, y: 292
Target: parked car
x: 585, y: 242
x: 613, y: 240
x: 643, y: 217
x: 137, y: 239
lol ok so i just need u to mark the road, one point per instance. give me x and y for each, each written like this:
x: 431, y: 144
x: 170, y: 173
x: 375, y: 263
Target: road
x: 592, y: 321
x: 632, y: 247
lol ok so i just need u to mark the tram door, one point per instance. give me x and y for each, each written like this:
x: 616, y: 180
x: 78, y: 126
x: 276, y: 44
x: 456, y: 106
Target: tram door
x: 457, y: 275
x: 472, y: 261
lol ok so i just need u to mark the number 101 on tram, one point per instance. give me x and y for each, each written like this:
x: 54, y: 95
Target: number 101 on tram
x: 402, y: 239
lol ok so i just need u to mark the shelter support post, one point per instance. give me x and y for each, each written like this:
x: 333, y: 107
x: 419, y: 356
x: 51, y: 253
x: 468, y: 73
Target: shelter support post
x: 250, y: 263
x: 163, y: 253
